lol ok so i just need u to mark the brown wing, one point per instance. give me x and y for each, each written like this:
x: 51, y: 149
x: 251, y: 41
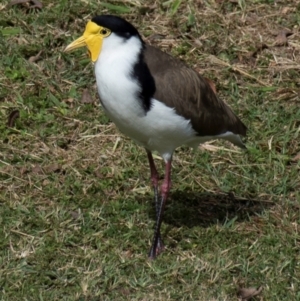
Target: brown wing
x: 182, y: 88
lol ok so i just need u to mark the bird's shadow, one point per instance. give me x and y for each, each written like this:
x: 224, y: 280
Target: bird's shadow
x: 192, y: 209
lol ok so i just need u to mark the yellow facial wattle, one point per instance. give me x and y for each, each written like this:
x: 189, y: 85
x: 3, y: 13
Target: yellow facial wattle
x: 92, y: 38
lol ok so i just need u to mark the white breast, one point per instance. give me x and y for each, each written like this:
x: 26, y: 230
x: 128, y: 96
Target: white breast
x: 117, y: 89
x: 160, y: 128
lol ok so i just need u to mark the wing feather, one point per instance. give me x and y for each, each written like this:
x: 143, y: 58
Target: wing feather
x: 191, y: 95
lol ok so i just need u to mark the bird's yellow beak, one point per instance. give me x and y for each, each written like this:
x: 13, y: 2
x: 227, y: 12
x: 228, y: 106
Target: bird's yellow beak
x: 91, y: 38
x: 80, y: 42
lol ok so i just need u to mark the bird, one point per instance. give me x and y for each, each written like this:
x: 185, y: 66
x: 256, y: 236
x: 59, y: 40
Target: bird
x: 155, y: 99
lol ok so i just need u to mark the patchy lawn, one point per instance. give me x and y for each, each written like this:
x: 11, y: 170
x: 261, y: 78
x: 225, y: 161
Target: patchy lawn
x: 76, y: 204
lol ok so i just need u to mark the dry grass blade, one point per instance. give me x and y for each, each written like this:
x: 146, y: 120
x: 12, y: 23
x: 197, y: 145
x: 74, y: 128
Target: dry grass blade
x: 86, y: 97
x: 36, y: 4
x: 35, y: 58
x: 282, y: 38
x: 28, y: 3
x: 216, y: 60
x: 16, y: 2
x: 52, y: 168
x: 245, y: 294
x: 296, y: 158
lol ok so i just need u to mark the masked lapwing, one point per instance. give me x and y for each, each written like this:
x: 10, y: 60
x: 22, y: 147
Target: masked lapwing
x: 155, y: 99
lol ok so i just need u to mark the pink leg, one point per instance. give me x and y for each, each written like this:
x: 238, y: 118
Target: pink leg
x: 165, y: 188
x: 153, y: 171
x: 154, y: 180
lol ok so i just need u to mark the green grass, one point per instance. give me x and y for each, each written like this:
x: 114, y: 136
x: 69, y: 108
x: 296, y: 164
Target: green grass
x: 76, y: 205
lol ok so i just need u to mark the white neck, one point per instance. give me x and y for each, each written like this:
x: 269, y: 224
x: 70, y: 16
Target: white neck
x: 120, y: 52
x: 117, y: 88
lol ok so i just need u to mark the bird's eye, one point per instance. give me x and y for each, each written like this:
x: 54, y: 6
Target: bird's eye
x: 103, y: 31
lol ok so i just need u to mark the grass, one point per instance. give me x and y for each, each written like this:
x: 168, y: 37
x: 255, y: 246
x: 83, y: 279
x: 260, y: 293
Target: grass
x: 76, y: 205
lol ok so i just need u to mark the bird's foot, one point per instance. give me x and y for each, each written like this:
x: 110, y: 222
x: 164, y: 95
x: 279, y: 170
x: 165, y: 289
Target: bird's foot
x: 155, y: 251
